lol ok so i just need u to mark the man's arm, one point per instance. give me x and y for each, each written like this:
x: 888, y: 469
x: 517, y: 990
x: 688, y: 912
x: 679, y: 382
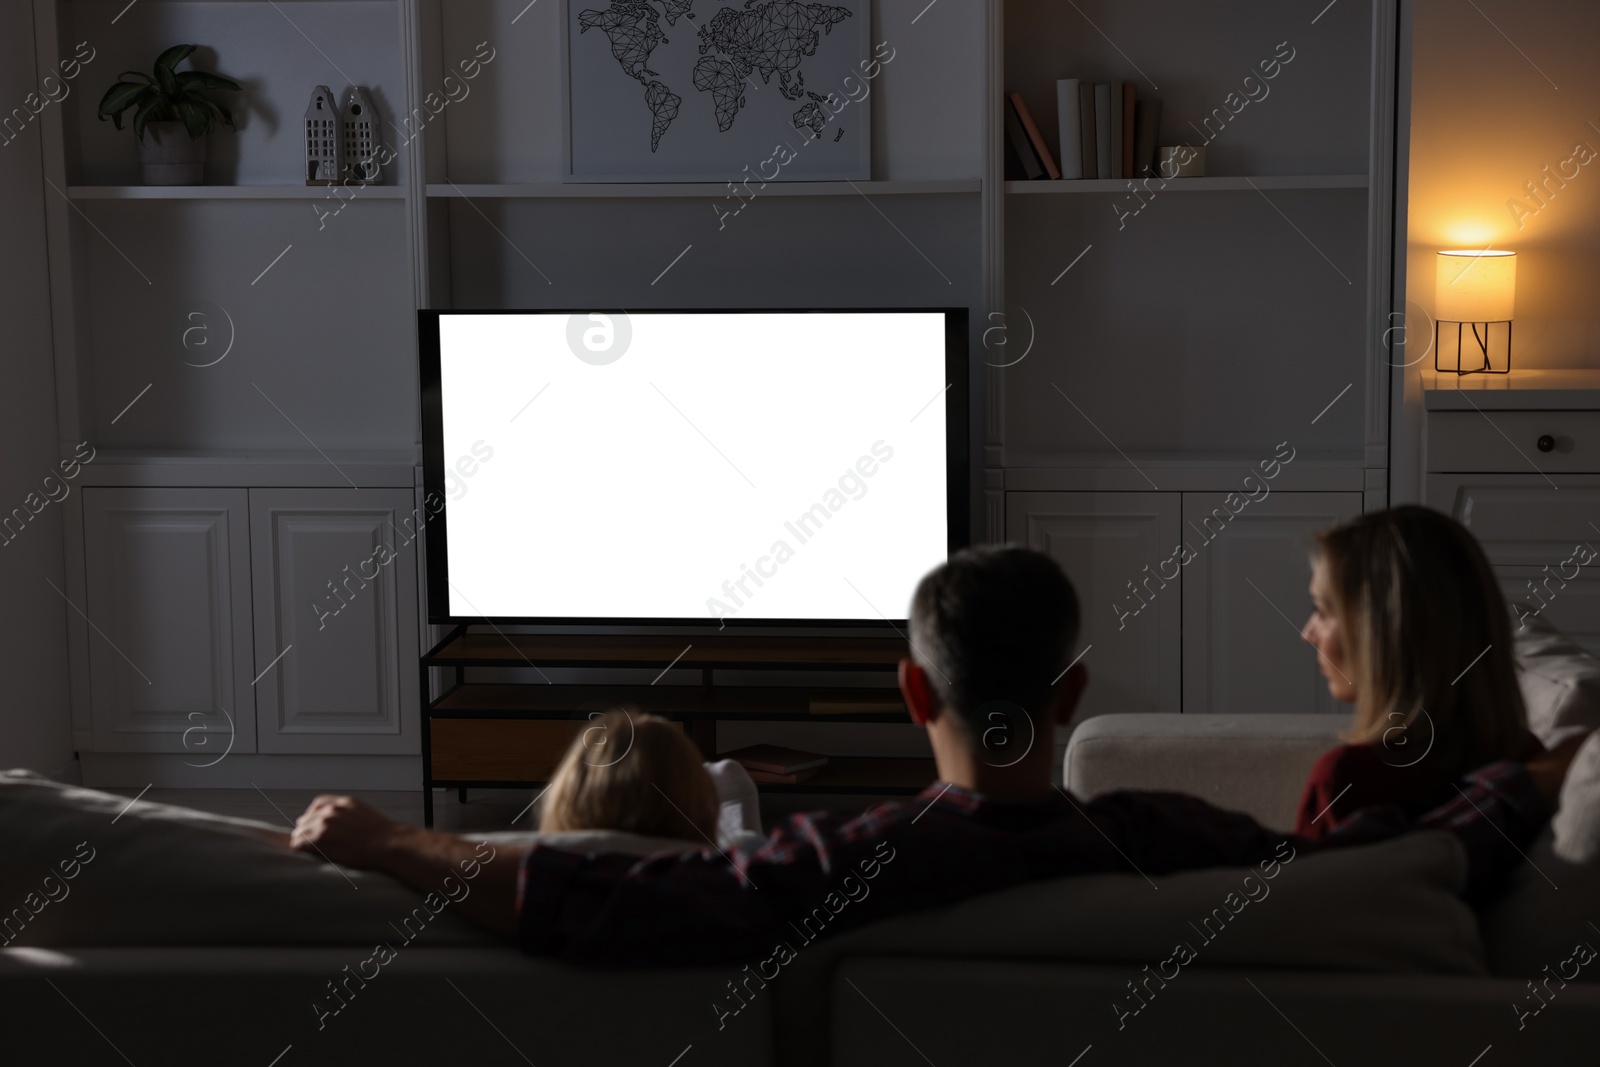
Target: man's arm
x: 1499, y: 811
x: 483, y: 888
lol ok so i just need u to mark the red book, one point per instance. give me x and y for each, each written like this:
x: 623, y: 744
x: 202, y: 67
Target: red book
x: 775, y: 759
x: 1035, y: 138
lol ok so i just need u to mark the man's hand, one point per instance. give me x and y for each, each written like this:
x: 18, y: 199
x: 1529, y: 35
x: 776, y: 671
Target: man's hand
x: 345, y: 831
x: 1549, y: 769
x: 479, y: 880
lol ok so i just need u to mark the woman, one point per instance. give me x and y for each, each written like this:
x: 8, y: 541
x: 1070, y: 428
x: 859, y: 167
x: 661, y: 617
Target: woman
x: 1410, y: 627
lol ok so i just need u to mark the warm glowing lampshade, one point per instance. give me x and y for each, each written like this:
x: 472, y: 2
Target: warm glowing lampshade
x: 1475, y: 286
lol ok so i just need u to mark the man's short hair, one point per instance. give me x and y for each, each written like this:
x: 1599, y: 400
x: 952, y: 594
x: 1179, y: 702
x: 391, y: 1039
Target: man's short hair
x: 994, y: 623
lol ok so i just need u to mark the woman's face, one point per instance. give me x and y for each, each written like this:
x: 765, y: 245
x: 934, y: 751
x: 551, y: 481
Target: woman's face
x: 1322, y: 632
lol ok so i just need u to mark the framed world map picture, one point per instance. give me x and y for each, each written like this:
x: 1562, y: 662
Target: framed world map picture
x: 708, y: 90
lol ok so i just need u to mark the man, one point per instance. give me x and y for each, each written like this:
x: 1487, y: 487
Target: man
x: 989, y: 679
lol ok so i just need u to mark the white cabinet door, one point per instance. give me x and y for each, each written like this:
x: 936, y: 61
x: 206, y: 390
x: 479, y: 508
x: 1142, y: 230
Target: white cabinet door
x: 336, y: 620
x: 1245, y: 599
x: 168, y: 609
x: 1104, y: 541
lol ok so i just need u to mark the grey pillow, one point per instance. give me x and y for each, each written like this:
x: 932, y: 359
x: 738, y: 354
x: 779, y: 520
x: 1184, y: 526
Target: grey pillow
x: 1560, y: 682
x: 82, y: 868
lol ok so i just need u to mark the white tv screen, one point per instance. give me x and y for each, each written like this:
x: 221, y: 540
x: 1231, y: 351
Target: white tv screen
x: 689, y: 466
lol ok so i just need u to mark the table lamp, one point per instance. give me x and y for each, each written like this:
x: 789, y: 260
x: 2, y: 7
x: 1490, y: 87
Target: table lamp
x: 1476, y: 289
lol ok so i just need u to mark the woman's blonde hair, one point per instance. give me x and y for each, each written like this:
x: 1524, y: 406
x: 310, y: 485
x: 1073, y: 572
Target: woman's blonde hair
x: 633, y: 772
x: 1426, y: 633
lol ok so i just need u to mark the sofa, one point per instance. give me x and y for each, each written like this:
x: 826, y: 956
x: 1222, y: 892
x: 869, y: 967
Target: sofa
x: 183, y: 938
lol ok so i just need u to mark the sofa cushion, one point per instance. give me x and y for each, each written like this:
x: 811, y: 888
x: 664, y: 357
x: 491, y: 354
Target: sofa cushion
x: 1388, y: 907
x: 85, y: 868
x: 1392, y: 906
x: 1257, y: 764
x: 1560, y: 682
x: 1548, y: 905
x: 1546, y: 909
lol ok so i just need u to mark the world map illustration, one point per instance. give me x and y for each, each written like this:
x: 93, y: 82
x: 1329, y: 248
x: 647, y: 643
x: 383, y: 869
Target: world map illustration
x: 767, y: 37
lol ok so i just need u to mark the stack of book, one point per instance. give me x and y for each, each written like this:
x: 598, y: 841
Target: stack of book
x: 1105, y: 133
x: 776, y: 765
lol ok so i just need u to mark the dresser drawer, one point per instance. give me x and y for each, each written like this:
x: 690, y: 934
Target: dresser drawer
x: 1509, y: 441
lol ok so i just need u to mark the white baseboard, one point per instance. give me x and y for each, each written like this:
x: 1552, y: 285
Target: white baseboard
x: 135, y: 770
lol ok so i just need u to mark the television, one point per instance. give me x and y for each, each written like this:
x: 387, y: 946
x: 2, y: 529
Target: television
x: 685, y: 467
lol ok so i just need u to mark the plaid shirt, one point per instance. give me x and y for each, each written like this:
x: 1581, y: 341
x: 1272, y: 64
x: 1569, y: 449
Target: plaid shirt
x: 824, y: 872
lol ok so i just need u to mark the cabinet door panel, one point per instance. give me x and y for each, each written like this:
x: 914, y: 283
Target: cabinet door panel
x: 1571, y: 606
x: 336, y: 621
x: 168, y: 608
x: 1530, y: 528
x: 1245, y: 600
x: 1104, y: 541
x: 1523, y: 521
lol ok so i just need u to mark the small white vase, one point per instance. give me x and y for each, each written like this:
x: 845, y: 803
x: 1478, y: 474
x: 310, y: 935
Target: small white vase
x: 169, y: 156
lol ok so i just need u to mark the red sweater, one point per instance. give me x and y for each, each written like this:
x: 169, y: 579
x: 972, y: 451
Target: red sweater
x: 1351, y: 777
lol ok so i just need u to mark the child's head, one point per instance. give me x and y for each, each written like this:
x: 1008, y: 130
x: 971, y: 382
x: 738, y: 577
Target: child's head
x: 632, y: 772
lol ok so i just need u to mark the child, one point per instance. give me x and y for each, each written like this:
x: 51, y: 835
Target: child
x: 636, y: 773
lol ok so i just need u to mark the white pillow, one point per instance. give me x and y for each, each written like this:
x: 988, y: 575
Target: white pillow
x: 1560, y: 682
x: 740, y: 812
x: 82, y: 867
x: 1576, y: 826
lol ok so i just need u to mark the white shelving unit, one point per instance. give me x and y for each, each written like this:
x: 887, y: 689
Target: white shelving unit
x: 647, y: 190
x: 235, y: 192
x: 1188, y: 185
x: 1167, y: 353
x: 1174, y: 341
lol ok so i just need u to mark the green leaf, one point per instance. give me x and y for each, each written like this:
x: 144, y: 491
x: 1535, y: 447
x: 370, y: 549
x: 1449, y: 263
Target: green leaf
x: 119, y: 98
x: 137, y: 74
x: 169, y: 59
x: 222, y: 114
x: 196, y: 119
x: 190, y: 80
x: 146, y: 112
x: 165, y: 80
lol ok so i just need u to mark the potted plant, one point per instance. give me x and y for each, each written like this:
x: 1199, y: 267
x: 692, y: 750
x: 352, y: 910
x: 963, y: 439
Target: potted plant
x: 168, y: 104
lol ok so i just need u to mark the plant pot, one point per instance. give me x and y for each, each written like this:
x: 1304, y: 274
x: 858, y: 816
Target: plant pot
x: 168, y: 156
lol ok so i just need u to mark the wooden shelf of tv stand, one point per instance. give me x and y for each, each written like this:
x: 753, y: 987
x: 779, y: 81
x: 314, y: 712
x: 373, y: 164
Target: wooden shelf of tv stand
x: 511, y: 734
x: 704, y: 652
x: 873, y: 775
x: 477, y: 700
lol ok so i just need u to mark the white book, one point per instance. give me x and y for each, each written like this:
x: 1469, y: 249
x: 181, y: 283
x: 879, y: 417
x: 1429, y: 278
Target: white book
x: 1116, y: 131
x: 1102, y: 131
x: 1070, y: 123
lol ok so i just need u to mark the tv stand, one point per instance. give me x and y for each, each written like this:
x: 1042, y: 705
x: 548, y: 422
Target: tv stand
x: 497, y: 734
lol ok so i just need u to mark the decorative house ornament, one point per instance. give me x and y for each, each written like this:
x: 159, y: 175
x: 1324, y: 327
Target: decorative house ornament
x: 324, y: 150
x: 360, y: 138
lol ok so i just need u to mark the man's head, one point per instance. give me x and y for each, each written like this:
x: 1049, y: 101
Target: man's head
x: 992, y: 631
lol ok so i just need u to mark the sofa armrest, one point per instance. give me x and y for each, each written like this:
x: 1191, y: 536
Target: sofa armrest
x: 1256, y: 764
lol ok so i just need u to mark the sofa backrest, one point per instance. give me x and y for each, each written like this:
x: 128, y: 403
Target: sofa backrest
x: 1256, y: 764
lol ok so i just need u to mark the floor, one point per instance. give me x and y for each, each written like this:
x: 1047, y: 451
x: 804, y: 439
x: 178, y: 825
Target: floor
x: 486, y: 810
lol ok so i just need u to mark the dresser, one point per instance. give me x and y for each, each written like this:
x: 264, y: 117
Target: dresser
x: 1516, y: 458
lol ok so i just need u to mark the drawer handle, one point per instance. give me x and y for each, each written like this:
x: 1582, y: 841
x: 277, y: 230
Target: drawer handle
x: 1546, y: 443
